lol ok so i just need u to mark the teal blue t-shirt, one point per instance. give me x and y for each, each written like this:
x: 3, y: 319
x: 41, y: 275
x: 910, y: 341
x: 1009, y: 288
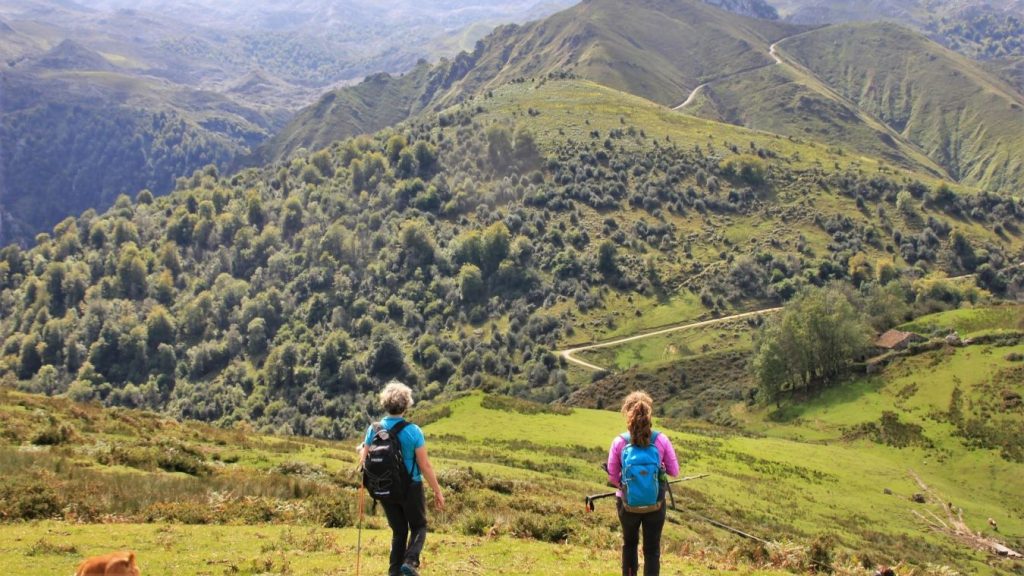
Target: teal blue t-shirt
x: 411, y: 439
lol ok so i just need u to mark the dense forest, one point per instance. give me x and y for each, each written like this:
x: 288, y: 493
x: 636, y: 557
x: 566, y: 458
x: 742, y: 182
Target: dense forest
x: 451, y: 254
x: 77, y: 157
x: 981, y: 34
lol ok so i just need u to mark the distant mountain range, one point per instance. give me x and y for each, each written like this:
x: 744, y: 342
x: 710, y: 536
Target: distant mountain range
x: 108, y: 97
x: 111, y: 97
x: 875, y: 89
x: 988, y: 30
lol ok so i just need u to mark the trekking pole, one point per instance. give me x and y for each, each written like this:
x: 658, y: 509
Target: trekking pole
x: 589, y: 500
x: 359, y: 537
x: 728, y: 528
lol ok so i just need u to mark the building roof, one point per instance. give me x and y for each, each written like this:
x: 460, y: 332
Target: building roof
x: 894, y: 338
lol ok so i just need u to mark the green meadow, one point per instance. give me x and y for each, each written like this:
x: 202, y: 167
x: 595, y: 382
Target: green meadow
x: 830, y: 481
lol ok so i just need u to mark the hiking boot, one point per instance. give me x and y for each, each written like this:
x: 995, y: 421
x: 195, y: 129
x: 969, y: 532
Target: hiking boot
x: 409, y: 570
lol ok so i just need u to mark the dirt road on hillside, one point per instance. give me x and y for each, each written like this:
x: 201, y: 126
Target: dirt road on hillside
x: 771, y: 52
x: 568, y: 354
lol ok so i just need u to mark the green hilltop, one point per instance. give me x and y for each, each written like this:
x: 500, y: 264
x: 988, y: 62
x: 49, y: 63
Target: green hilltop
x: 658, y: 49
x: 844, y: 85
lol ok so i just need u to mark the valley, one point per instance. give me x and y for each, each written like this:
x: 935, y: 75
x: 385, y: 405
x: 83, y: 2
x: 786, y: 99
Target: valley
x: 798, y: 227
x: 111, y: 98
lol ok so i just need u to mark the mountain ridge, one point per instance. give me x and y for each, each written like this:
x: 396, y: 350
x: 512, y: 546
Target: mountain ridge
x: 664, y: 58
x: 700, y: 45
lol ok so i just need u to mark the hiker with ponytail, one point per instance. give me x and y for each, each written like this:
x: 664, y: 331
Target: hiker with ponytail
x: 639, y: 462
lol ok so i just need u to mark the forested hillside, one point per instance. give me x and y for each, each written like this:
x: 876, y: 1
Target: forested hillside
x: 457, y: 253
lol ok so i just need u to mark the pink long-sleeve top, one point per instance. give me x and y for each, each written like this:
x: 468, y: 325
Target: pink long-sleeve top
x: 665, y: 451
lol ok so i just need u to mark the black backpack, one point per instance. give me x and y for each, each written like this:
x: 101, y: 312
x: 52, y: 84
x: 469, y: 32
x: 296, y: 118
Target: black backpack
x: 384, y: 473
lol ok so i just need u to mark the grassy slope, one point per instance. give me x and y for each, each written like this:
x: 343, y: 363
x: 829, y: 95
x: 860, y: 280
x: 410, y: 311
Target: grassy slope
x: 970, y: 322
x: 245, y: 474
x: 962, y: 117
x: 785, y: 487
x: 792, y: 481
x: 248, y: 550
x: 658, y: 49
x: 783, y: 100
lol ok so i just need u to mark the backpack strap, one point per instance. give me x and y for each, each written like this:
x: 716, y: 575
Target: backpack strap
x: 396, y: 430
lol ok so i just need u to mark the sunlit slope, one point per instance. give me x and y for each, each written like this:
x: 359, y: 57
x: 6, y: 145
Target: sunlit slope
x: 516, y: 472
x: 784, y: 100
x: 781, y: 488
x: 658, y: 49
x: 876, y: 88
x: 191, y: 499
x: 574, y: 109
x: 962, y: 117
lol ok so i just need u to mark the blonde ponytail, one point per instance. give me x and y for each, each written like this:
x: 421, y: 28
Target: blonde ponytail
x: 638, y: 410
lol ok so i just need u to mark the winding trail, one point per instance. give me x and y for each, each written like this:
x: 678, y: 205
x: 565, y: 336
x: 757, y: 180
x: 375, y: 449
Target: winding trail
x: 568, y: 354
x: 692, y: 96
x: 771, y: 52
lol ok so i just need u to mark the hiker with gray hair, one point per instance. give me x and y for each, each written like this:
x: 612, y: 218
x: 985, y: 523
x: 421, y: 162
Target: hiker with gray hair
x: 402, y: 498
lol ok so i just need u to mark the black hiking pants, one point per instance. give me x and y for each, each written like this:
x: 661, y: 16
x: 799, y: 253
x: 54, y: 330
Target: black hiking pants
x: 408, y: 522
x: 652, y: 523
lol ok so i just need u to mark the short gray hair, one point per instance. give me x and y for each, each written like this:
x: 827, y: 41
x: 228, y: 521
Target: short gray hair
x: 396, y: 398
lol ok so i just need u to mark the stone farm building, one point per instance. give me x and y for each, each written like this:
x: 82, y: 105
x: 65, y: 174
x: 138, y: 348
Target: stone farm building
x: 897, y: 340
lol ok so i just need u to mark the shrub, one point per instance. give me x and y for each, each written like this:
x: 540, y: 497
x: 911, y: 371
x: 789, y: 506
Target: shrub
x: 510, y: 404
x: 179, y: 460
x: 459, y: 480
x: 55, y: 435
x: 302, y: 469
x: 185, y: 512
x: 501, y: 486
x: 28, y: 500
x: 476, y: 524
x: 423, y: 417
x: 820, y: 553
x: 550, y: 528
x: 336, y: 510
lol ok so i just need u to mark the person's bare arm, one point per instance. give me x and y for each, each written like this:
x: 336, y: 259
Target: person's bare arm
x: 423, y: 461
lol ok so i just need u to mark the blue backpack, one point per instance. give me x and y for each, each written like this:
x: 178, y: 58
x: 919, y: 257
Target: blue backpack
x: 641, y: 470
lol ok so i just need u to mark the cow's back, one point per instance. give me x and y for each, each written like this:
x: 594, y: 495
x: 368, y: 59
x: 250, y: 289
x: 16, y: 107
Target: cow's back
x: 113, y: 564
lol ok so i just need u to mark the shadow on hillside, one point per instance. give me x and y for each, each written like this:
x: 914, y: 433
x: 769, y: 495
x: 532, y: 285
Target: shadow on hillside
x: 843, y: 393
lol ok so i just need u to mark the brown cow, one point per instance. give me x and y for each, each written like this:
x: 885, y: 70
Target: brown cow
x: 885, y: 571
x: 113, y: 564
